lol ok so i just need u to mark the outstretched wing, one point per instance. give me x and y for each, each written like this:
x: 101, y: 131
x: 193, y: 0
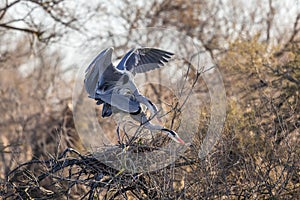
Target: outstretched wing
x: 144, y: 59
x: 95, y: 70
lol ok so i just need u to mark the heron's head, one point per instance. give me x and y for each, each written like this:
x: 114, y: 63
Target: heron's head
x: 173, y: 135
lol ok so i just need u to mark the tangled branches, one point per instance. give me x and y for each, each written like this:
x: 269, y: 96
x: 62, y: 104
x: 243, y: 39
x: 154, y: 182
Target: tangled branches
x: 72, y: 173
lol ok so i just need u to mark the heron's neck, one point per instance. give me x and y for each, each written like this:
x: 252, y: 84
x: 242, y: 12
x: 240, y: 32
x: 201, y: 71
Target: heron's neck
x: 153, y: 127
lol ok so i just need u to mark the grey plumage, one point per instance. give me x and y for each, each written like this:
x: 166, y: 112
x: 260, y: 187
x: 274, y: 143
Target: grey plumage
x: 114, y: 87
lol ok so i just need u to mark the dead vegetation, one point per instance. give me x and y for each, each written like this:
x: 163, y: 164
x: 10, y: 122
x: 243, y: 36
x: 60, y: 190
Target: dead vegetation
x: 257, y: 156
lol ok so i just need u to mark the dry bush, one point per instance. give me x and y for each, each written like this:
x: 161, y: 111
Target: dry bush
x: 257, y: 156
x: 34, y: 95
x: 264, y: 118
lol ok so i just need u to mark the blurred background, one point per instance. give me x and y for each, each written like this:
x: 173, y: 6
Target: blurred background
x: 255, y: 44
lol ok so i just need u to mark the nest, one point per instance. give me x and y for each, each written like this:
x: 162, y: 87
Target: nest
x: 75, y: 176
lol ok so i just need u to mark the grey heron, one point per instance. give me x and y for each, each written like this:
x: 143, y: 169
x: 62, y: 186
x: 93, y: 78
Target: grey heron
x: 115, y: 89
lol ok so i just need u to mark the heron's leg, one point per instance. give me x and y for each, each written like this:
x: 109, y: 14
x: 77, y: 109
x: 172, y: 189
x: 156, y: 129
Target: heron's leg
x: 122, y: 145
x: 118, y: 134
x: 125, y: 133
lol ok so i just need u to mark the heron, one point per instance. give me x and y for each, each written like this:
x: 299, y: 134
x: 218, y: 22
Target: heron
x: 114, y: 87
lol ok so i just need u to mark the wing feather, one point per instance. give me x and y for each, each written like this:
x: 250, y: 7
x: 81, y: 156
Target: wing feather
x: 95, y: 70
x: 142, y: 60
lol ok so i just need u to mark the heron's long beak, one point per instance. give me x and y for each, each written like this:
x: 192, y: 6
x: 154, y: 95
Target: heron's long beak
x: 179, y: 140
x: 173, y: 135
